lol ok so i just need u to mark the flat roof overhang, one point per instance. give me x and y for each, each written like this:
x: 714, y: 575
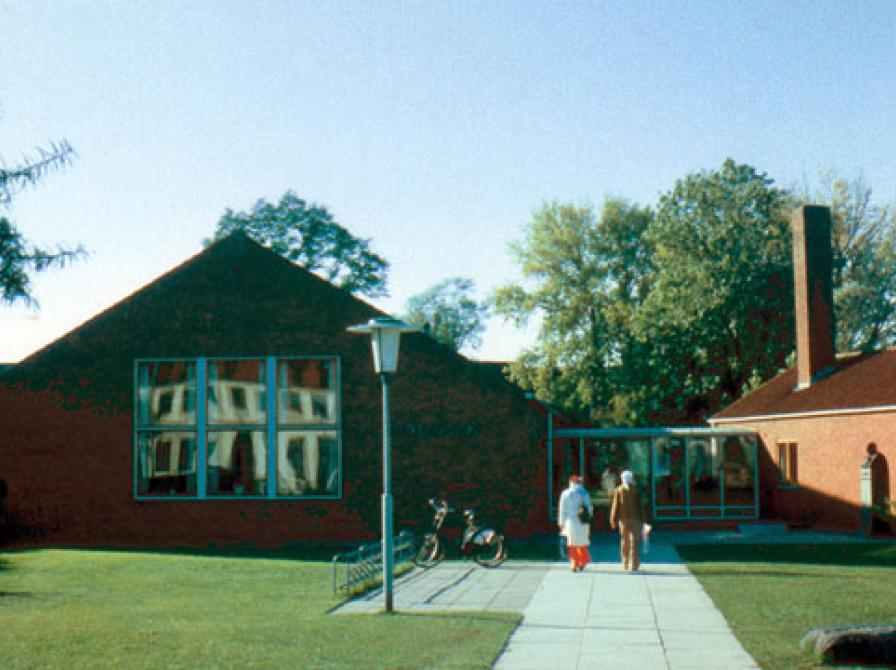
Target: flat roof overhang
x: 670, y: 431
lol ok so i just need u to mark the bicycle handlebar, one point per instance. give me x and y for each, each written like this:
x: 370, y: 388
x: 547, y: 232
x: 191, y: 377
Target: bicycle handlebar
x: 440, y: 505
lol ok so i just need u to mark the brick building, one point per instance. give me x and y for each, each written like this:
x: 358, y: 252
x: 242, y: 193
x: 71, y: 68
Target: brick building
x: 828, y: 426
x: 225, y: 402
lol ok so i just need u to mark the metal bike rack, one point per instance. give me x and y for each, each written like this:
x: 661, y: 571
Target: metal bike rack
x: 363, y: 566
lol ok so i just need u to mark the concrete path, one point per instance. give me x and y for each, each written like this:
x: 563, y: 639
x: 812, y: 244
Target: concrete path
x: 459, y: 587
x: 604, y: 617
x: 658, y: 618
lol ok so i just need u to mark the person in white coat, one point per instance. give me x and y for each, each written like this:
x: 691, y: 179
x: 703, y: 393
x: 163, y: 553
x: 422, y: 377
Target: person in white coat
x: 577, y: 532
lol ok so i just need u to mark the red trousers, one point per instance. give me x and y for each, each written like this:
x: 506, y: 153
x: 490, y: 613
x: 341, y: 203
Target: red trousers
x: 578, y: 556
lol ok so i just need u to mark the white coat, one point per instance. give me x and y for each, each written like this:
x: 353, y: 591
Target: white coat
x: 577, y: 534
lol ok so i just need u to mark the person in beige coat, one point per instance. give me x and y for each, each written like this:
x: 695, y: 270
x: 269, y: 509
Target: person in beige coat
x: 627, y: 514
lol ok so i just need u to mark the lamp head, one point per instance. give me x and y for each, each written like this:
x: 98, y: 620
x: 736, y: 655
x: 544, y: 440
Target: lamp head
x: 385, y: 336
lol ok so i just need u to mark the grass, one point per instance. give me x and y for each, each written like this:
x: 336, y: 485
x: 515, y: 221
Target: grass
x: 113, y: 609
x: 772, y: 595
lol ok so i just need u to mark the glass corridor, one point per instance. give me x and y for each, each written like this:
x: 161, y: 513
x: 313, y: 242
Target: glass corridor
x: 685, y: 473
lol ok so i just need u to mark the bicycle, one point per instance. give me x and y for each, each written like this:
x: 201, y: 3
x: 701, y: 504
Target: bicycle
x: 483, y: 545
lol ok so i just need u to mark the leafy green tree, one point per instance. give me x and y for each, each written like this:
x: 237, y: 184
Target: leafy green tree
x: 864, y: 249
x: 583, y: 277
x: 666, y: 318
x: 719, y: 314
x: 19, y: 259
x: 449, y: 313
x: 308, y: 235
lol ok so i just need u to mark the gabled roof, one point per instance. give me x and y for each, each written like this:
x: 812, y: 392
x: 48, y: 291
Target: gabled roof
x: 863, y: 382
x: 235, y: 298
x: 236, y: 292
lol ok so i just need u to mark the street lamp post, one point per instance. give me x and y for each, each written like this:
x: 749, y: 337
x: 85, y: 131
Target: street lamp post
x: 385, y: 336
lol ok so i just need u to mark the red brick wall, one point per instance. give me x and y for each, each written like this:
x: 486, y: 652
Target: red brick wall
x: 66, y: 417
x: 831, y: 450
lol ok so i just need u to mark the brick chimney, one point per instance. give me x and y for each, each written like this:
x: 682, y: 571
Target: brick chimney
x: 813, y: 294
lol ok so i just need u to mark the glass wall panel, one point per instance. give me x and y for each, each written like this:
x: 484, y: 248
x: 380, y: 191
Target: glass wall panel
x: 669, y: 473
x: 307, y: 392
x: 237, y: 427
x: 605, y: 460
x: 236, y: 392
x: 739, y: 468
x: 705, y: 475
x: 307, y: 463
x: 166, y: 393
x: 237, y: 462
x: 166, y: 463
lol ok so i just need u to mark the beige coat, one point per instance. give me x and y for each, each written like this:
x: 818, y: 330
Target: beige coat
x: 627, y: 507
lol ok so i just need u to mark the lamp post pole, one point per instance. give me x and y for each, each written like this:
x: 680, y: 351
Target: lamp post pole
x: 387, y: 499
x: 385, y: 336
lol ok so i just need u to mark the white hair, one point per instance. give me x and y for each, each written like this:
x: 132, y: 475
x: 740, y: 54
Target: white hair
x: 627, y: 478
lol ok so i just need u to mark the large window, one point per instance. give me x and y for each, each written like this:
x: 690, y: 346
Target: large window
x: 213, y: 428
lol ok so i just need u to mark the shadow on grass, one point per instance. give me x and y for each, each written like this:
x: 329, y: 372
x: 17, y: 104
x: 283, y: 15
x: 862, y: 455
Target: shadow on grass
x: 845, y: 554
x: 5, y: 566
x: 317, y: 552
x: 540, y: 548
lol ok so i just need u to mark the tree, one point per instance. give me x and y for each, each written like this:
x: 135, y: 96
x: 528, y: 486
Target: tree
x: 666, y: 318
x: 583, y: 277
x: 19, y: 259
x: 864, y: 250
x: 719, y: 314
x: 308, y: 235
x: 449, y: 313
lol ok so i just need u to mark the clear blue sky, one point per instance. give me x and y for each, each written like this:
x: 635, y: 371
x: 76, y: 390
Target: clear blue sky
x: 435, y: 129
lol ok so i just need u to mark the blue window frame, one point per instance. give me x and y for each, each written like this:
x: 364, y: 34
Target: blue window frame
x: 217, y: 428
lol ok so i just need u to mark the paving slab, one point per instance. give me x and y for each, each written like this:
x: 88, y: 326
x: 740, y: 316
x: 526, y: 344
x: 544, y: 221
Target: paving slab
x: 659, y: 617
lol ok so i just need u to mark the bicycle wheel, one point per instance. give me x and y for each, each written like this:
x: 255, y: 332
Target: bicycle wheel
x: 430, y: 552
x: 492, y: 553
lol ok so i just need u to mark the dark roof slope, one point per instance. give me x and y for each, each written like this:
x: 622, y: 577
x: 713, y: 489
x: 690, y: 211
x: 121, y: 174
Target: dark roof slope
x: 859, y: 381
x: 235, y: 298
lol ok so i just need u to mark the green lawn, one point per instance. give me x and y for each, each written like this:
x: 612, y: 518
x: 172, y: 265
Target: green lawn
x: 772, y: 595
x: 112, y: 609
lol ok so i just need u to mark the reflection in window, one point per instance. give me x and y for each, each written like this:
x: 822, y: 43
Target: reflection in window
x: 705, y: 462
x: 739, y: 467
x: 186, y: 453
x: 238, y: 397
x: 237, y: 463
x: 232, y: 427
x: 307, y: 391
x: 164, y: 393
x: 157, y: 473
x: 163, y: 456
x: 307, y: 463
x: 230, y: 384
x: 166, y: 399
x: 669, y: 473
x: 787, y: 452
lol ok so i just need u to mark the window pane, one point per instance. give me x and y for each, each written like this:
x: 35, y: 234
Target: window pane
x: 739, y: 469
x: 606, y: 458
x: 237, y: 463
x: 166, y: 393
x: 705, y: 471
x: 234, y: 392
x: 669, y: 475
x: 166, y: 463
x: 307, y: 463
x: 306, y: 391
x: 791, y: 463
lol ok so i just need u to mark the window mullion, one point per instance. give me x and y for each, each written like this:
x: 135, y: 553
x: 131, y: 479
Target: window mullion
x: 271, y: 384
x: 201, y: 429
